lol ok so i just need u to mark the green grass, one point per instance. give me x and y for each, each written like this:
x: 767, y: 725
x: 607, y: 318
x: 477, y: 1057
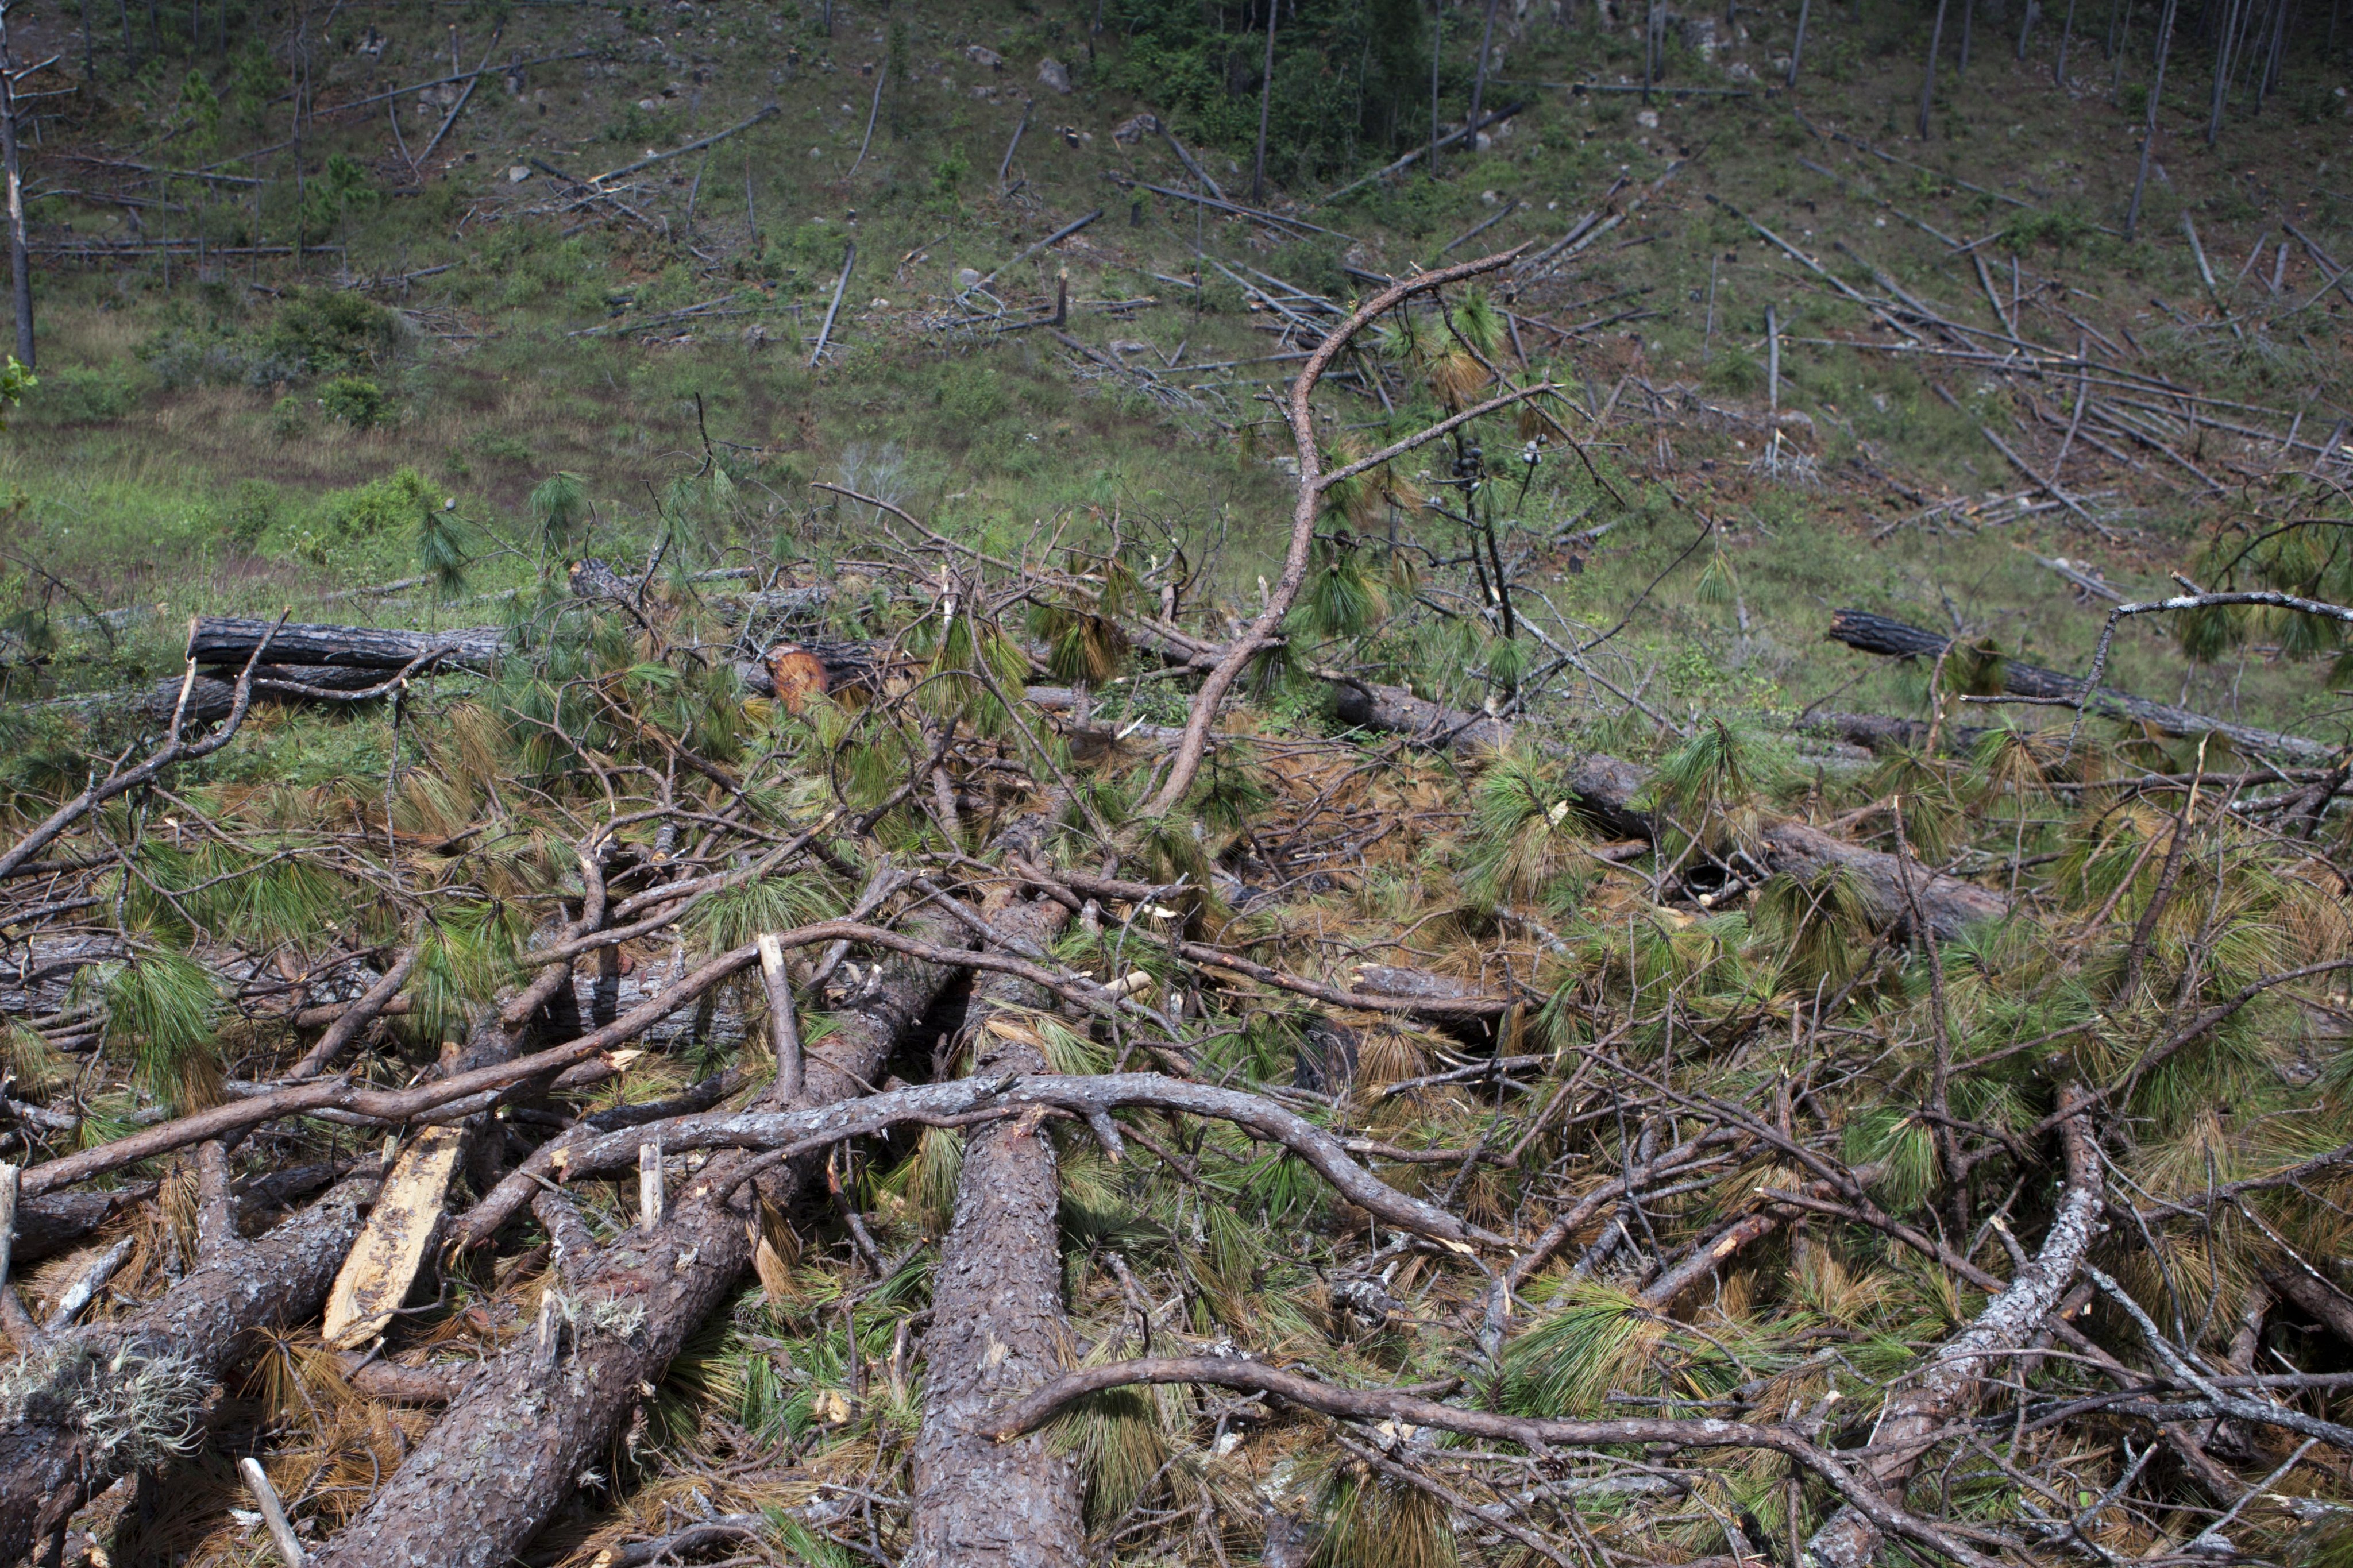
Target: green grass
x: 192, y: 448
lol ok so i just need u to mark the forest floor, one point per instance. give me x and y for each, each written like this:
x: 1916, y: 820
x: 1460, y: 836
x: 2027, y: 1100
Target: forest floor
x: 690, y: 828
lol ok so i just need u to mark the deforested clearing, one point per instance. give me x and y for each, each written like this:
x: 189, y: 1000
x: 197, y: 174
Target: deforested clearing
x: 1048, y: 782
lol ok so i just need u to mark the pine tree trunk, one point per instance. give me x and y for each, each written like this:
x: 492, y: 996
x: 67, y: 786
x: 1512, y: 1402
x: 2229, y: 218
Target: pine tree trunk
x: 1265, y: 104
x: 514, y: 1444
x: 2149, y: 131
x: 50, y: 1459
x: 2225, y: 44
x: 998, y: 1327
x: 1928, y: 82
x: 1479, y: 78
x: 20, y: 263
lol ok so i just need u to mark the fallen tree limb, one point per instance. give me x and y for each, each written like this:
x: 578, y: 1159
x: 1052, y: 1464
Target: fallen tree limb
x: 514, y: 1444
x: 229, y: 639
x: 1307, y: 509
x: 1538, y: 1435
x: 998, y: 1324
x: 1913, y: 1422
x: 1089, y: 1097
x: 1610, y: 792
x: 1893, y: 639
x: 176, y: 748
x: 761, y: 118
x: 65, y: 1426
x: 1401, y: 165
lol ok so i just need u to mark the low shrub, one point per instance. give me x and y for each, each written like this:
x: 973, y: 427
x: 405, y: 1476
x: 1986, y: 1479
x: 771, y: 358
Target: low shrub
x: 355, y: 400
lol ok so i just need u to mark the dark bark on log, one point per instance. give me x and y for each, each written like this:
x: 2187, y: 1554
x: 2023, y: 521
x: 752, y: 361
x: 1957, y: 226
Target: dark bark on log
x: 2324, y: 1304
x: 1395, y: 711
x: 53, y: 1449
x: 209, y: 697
x: 515, y: 1443
x: 1948, y: 904
x: 998, y: 1326
x: 397, y: 1384
x: 1884, y: 732
x: 49, y: 1224
x: 230, y: 640
x: 1893, y: 639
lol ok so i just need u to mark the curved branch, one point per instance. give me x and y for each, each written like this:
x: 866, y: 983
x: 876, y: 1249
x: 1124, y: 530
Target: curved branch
x: 1035, y: 1409
x: 1195, y: 743
x: 1089, y: 1097
x: 172, y: 750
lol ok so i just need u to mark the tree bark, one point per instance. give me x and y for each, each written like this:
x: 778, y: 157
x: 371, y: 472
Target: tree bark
x: 1265, y: 104
x: 1894, y: 639
x: 1928, y: 82
x: 1912, y: 1422
x: 51, y: 1458
x: 49, y: 1224
x: 998, y: 1327
x: 1479, y: 77
x: 516, y: 1442
x: 20, y: 264
x: 2324, y: 1304
x: 2149, y: 131
x: 230, y: 640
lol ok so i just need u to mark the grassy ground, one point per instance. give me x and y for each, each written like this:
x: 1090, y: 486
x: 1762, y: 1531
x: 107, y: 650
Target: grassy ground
x: 166, y: 462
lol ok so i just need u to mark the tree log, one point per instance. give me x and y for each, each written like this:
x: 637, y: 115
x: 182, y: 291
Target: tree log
x: 998, y: 1327
x: 217, y: 640
x: 1915, y: 1420
x: 52, y: 1222
x: 1948, y: 905
x: 63, y: 1414
x: 2323, y: 1303
x: 209, y: 697
x: 1893, y: 639
x: 519, y: 1437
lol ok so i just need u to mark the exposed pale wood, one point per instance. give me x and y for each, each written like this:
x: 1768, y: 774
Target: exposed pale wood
x: 651, y: 1194
x: 273, y: 1512
x: 376, y: 1276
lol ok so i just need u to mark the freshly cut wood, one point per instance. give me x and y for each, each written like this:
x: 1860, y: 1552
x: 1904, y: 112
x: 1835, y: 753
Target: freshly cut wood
x: 216, y: 640
x: 383, y: 1263
x: 514, y: 1443
x: 997, y: 1327
x: 1868, y: 633
x: 98, y: 1403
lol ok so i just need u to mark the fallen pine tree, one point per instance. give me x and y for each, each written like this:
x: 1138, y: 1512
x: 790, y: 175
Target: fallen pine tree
x: 783, y: 1098
x: 1868, y: 633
